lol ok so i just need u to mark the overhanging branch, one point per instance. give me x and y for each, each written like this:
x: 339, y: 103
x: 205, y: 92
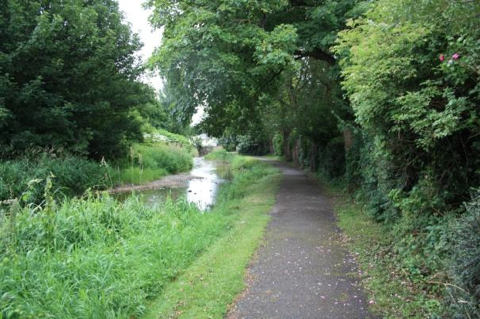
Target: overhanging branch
x: 317, y: 54
x: 301, y: 3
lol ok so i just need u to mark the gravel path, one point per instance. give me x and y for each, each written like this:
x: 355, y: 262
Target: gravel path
x: 302, y: 270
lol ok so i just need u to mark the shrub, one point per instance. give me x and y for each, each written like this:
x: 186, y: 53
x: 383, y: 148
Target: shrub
x: 464, y: 294
x: 70, y: 176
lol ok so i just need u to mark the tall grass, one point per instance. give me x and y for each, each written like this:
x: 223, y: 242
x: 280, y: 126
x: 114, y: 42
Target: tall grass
x: 220, y: 154
x: 70, y: 176
x: 149, y: 162
x: 98, y: 258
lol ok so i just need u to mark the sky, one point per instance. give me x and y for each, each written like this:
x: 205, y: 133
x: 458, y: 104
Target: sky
x: 138, y: 17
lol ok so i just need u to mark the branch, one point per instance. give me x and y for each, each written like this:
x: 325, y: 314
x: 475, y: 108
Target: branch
x: 273, y: 78
x: 317, y: 54
x: 301, y: 3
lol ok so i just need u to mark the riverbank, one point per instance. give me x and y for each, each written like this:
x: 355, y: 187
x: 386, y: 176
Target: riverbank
x: 25, y: 177
x: 212, y: 282
x: 97, y: 257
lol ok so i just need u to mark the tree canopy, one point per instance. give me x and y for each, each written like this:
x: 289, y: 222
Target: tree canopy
x: 68, y: 77
x: 229, y: 55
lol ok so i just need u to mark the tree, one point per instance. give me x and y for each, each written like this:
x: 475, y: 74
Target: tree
x: 411, y: 70
x: 229, y: 55
x: 69, y: 77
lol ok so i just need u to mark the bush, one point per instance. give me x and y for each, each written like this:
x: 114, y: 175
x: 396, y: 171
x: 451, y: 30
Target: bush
x: 278, y: 144
x: 70, y: 175
x: 252, y: 146
x: 163, y: 136
x: 465, y: 264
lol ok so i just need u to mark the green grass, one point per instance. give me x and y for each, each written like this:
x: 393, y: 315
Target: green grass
x: 71, y: 176
x: 156, y: 136
x: 395, y: 296
x: 99, y: 258
x: 149, y: 162
x: 220, y: 154
x: 211, y: 284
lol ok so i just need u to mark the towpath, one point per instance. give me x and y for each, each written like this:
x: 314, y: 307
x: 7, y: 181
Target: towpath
x: 302, y: 270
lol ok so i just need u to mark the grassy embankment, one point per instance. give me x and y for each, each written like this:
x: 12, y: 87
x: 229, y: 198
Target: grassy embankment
x: 98, y: 258
x: 395, y: 295
x: 213, y: 281
x: 161, y: 154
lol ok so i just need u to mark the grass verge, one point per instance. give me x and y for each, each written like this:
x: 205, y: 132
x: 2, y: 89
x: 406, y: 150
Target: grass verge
x: 394, y: 295
x: 99, y: 258
x: 213, y: 281
x: 149, y: 162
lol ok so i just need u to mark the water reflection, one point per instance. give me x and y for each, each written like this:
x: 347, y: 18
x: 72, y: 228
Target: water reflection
x: 202, y: 188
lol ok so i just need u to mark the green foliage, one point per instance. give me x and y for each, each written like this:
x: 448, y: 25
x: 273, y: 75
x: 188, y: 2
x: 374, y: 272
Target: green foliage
x: 416, y: 125
x: 26, y: 178
x: 278, y: 144
x: 100, y: 258
x: 234, y: 58
x: 150, y: 162
x: 464, y: 293
x: 69, y: 77
x: 161, y: 135
x: 382, y: 268
x: 251, y: 145
x: 420, y: 112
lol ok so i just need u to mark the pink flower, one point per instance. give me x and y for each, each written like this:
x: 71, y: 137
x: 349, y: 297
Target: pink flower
x: 442, y: 57
x: 456, y: 56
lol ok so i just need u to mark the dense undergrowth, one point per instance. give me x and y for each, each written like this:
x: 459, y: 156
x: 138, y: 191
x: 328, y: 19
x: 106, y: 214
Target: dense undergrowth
x: 416, y: 275
x: 98, y: 258
x: 25, y: 177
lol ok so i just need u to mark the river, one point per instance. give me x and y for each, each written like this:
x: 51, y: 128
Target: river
x: 200, y: 186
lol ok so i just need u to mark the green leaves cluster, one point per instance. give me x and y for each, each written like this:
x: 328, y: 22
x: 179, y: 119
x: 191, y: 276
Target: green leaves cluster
x: 68, y: 77
x: 411, y: 72
x: 421, y: 112
x: 229, y: 56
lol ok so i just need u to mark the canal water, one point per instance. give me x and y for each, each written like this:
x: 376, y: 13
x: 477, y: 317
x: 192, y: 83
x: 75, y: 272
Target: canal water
x: 200, y: 187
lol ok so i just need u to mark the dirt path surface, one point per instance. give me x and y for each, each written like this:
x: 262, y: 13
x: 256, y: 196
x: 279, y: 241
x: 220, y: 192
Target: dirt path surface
x: 302, y: 270
x: 171, y: 181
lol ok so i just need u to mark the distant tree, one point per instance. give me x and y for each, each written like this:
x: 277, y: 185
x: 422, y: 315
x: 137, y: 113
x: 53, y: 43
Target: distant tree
x: 68, y: 77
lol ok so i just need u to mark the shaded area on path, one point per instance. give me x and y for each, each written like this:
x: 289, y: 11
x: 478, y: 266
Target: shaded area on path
x: 302, y: 270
